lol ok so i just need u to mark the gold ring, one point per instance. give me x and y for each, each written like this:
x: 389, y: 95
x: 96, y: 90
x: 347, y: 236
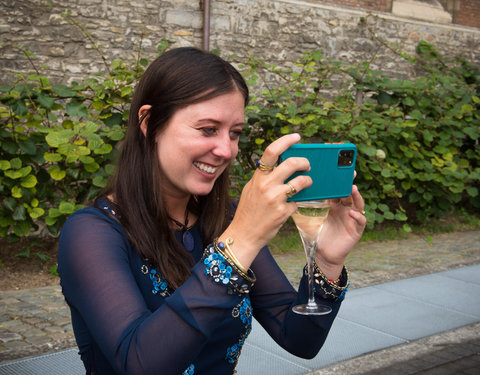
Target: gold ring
x: 292, y: 191
x: 264, y: 167
x: 363, y: 212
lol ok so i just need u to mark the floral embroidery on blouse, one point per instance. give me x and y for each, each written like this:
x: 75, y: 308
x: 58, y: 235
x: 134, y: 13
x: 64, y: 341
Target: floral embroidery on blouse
x: 218, y: 268
x: 160, y: 285
x: 190, y: 370
x: 221, y: 271
x: 243, y: 311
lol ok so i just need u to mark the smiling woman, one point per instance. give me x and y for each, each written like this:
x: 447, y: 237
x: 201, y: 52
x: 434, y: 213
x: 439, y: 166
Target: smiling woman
x: 200, y: 140
x: 163, y: 273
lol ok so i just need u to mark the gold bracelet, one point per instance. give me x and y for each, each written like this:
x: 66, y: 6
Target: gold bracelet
x: 227, y: 252
x: 230, y: 257
x: 230, y: 253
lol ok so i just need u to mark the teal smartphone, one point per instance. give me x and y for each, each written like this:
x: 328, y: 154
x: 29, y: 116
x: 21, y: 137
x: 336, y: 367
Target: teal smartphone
x: 332, y: 169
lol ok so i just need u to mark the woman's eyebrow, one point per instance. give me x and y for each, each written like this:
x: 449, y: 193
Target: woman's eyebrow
x: 208, y: 120
x: 216, y: 122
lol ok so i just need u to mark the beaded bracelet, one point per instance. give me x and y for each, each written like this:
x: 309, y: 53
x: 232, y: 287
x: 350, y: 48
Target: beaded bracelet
x: 224, y: 271
x: 327, y: 289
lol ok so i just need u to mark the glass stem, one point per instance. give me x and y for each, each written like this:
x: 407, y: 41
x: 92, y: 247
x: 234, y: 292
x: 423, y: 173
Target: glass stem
x: 310, y: 259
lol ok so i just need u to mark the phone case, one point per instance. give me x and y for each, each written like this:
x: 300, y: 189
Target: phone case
x: 332, y: 169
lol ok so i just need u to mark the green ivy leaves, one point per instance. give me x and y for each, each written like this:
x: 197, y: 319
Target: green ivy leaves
x: 56, y: 148
x: 417, y: 139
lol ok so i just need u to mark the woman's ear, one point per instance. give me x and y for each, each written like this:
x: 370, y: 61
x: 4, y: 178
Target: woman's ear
x: 143, y: 116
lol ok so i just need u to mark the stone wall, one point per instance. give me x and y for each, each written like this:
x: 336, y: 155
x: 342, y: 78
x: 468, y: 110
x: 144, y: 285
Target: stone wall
x: 273, y: 30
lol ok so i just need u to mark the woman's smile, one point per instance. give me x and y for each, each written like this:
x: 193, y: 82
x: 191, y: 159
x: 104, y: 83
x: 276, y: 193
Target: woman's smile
x: 205, y: 167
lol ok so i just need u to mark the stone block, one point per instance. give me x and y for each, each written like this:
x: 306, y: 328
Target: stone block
x: 221, y: 23
x: 57, y: 19
x: 38, y: 340
x: 15, y: 345
x: 282, y: 21
x: 184, y: 18
x: 10, y: 336
x: 183, y: 33
x: 13, y: 325
x: 429, y: 11
x: 60, y: 336
x: 116, y: 30
x: 146, y: 43
x: 153, y: 28
x: 57, y: 51
x: 54, y: 329
x: 89, y: 2
x: 73, y: 68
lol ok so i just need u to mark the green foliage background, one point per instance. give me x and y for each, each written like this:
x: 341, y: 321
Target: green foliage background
x: 417, y: 139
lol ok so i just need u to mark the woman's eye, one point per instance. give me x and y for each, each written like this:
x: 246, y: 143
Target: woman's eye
x: 209, y: 131
x: 235, y: 134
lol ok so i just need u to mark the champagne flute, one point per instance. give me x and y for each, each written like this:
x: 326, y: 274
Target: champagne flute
x: 309, y: 219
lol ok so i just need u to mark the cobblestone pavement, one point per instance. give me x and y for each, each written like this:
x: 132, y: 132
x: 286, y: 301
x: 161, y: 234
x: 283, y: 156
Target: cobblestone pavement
x: 33, y: 321
x: 36, y: 321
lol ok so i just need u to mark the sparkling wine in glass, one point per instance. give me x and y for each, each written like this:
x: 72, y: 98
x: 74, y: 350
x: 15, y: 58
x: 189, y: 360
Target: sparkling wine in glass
x: 309, y: 219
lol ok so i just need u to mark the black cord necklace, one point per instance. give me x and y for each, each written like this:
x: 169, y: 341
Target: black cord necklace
x: 187, y: 238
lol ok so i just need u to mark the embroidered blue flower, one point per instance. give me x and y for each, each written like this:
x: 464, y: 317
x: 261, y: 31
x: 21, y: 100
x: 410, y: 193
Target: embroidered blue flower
x: 160, y: 285
x: 246, y: 311
x: 243, y: 311
x: 217, y: 267
x: 190, y: 370
x: 233, y: 353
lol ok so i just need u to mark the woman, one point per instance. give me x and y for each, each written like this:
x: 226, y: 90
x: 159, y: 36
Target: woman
x: 162, y: 274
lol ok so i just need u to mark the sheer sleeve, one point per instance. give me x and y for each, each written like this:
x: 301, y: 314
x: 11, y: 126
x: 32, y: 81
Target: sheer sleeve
x: 272, y: 300
x: 100, y: 288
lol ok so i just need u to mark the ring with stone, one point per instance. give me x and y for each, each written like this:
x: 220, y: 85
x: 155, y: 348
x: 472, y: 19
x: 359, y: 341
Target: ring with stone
x: 263, y: 167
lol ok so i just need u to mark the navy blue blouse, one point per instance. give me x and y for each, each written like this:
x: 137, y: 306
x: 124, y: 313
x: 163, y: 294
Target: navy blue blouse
x: 127, y: 321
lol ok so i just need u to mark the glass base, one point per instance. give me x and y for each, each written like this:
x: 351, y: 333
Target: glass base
x: 312, y: 310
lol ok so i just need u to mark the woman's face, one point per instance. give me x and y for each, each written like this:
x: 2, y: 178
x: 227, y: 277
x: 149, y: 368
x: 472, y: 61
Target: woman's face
x: 198, y: 143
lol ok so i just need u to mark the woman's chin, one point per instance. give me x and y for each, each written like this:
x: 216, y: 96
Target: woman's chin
x: 205, y: 189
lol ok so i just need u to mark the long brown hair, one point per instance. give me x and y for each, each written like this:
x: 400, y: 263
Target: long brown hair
x: 178, y: 78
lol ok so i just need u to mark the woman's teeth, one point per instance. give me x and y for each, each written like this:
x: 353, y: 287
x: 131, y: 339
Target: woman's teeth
x: 205, y: 168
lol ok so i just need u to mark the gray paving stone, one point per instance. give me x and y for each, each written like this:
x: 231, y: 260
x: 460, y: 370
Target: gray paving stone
x: 10, y: 336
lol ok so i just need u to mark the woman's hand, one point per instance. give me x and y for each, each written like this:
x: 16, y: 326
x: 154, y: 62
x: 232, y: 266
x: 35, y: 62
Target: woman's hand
x: 263, y: 206
x: 342, y: 230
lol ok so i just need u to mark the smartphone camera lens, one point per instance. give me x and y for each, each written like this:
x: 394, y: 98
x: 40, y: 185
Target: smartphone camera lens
x: 345, y: 158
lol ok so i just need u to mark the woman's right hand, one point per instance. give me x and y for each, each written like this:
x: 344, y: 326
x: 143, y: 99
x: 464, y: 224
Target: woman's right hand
x: 263, y: 206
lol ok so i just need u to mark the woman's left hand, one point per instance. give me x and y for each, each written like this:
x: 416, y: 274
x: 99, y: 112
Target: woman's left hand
x: 342, y: 230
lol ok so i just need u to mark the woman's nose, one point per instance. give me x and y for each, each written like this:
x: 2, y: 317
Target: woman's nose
x: 223, y: 147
